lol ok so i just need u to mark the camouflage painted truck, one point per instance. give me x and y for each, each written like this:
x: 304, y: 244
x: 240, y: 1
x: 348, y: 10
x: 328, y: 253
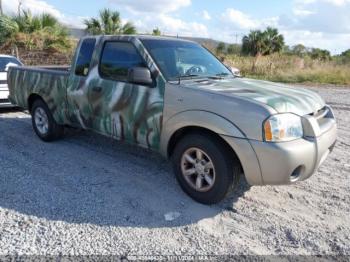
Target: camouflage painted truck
x: 173, y: 96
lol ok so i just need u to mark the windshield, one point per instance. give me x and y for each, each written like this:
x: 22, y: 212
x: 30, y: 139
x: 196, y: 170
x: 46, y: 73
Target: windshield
x: 5, y: 62
x: 184, y: 59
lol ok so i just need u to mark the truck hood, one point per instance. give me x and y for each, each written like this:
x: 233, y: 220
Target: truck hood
x: 280, y: 97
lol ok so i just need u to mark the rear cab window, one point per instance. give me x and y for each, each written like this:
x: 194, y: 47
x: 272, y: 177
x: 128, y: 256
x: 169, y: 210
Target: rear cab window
x: 84, y: 57
x: 117, y: 58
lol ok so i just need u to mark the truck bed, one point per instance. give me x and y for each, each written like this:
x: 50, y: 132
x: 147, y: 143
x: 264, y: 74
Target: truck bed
x: 50, y: 84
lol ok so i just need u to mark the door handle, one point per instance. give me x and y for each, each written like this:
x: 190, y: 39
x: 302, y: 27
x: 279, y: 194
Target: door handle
x: 97, y: 89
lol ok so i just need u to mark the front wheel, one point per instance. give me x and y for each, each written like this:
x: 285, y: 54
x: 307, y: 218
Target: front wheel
x: 205, y: 168
x: 43, y: 122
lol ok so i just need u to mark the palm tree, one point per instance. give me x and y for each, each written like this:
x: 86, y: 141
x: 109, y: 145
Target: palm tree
x: 273, y: 40
x: 108, y: 23
x: 259, y: 43
x: 42, y: 32
x: 28, y: 23
x: 254, y: 43
x: 8, y: 28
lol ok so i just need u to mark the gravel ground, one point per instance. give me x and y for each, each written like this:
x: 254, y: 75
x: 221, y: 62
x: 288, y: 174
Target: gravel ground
x: 87, y: 195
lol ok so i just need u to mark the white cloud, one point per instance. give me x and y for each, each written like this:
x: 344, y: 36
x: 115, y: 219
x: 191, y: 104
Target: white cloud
x: 242, y: 21
x: 332, y: 2
x: 239, y: 19
x: 302, y: 12
x: 169, y: 25
x: 35, y: 6
x: 206, y: 15
x: 151, y: 14
x: 314, y: 23
x: 152, y: 6
x: 336, y: 43
x: 38, y: 7
x: 328, y: 16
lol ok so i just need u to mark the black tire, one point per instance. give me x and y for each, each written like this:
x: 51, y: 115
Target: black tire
x: 54, y: 131
x: 226, y: 165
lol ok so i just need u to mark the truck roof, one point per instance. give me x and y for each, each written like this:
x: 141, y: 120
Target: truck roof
x: 141, y: 37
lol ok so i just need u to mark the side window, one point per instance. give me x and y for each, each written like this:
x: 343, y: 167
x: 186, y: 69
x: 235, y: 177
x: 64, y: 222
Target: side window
x: 84, y: 57
x: 117, y: 58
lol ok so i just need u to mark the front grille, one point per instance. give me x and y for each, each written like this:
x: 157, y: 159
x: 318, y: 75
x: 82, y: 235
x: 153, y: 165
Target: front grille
x: 321, y: 113
x: 324, y: 118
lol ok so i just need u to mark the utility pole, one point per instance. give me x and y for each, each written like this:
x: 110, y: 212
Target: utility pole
x: 1, y: 12
x: 236, y: 38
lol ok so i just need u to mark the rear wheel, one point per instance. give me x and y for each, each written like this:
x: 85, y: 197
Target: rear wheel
x: 206, y: 170
x: 43, y: 122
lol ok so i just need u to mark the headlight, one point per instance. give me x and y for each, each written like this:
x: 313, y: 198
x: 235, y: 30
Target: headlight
x: 283, y: 127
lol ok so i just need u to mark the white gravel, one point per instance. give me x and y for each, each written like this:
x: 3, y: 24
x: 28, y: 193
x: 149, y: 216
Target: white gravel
x: 88, y: 195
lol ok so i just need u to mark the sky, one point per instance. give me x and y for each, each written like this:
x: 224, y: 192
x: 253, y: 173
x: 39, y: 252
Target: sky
x: 313, y: 23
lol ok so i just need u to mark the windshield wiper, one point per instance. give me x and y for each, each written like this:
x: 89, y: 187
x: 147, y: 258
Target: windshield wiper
x: 223, y: 74
x: 220, y: 75
x: 187, y: 76
x: 180, y: 77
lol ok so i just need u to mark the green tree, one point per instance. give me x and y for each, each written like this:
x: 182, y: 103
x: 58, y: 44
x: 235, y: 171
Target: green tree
x: 259, y: 43
x: 299, y: 50
x: 320, y: 54
x: 344, y: 57
x: 220, y: 48
x: 254, y: 43
x: 233, y: 49
x: 42, y: 32
x: 108, y: 23
x: 346, y: 53
x: 28, y: 23
x: 274, y: 42
x: 8, y: 28
x: 156, y: 32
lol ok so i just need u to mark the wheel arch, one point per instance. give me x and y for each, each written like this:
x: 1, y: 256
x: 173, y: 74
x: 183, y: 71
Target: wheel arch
x: 31, y: 99
x: 196, y: 122
x: 233, y: 138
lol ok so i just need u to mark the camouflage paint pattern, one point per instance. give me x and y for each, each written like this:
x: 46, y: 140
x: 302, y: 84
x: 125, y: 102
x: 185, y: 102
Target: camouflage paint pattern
x: 121, y: 110
x: 134, y: 113
x: 280, y: 97
x: 51, y: 86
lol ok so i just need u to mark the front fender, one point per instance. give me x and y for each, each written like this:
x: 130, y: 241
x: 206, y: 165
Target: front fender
x: 235, y: 138
x: 197, y: 118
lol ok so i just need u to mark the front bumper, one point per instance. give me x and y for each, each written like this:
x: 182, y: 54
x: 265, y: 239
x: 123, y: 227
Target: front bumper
x: 288, y: 162
x: 284, y: 163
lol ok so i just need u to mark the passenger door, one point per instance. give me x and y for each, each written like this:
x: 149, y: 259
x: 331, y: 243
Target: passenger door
x: 124, y: 110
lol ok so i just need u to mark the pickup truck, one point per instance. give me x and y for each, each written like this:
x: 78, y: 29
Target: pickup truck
x: 174, y: 97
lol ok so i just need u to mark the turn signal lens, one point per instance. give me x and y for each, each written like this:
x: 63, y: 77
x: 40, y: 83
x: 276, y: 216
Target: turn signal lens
x: 283, y: 127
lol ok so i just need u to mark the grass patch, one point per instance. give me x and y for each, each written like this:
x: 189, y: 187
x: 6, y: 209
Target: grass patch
x: 292, y: 69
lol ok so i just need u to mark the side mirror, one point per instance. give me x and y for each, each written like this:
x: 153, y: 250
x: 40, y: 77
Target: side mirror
x: 9, y: 65
x: 140, y: 75
x: 235, y: 71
